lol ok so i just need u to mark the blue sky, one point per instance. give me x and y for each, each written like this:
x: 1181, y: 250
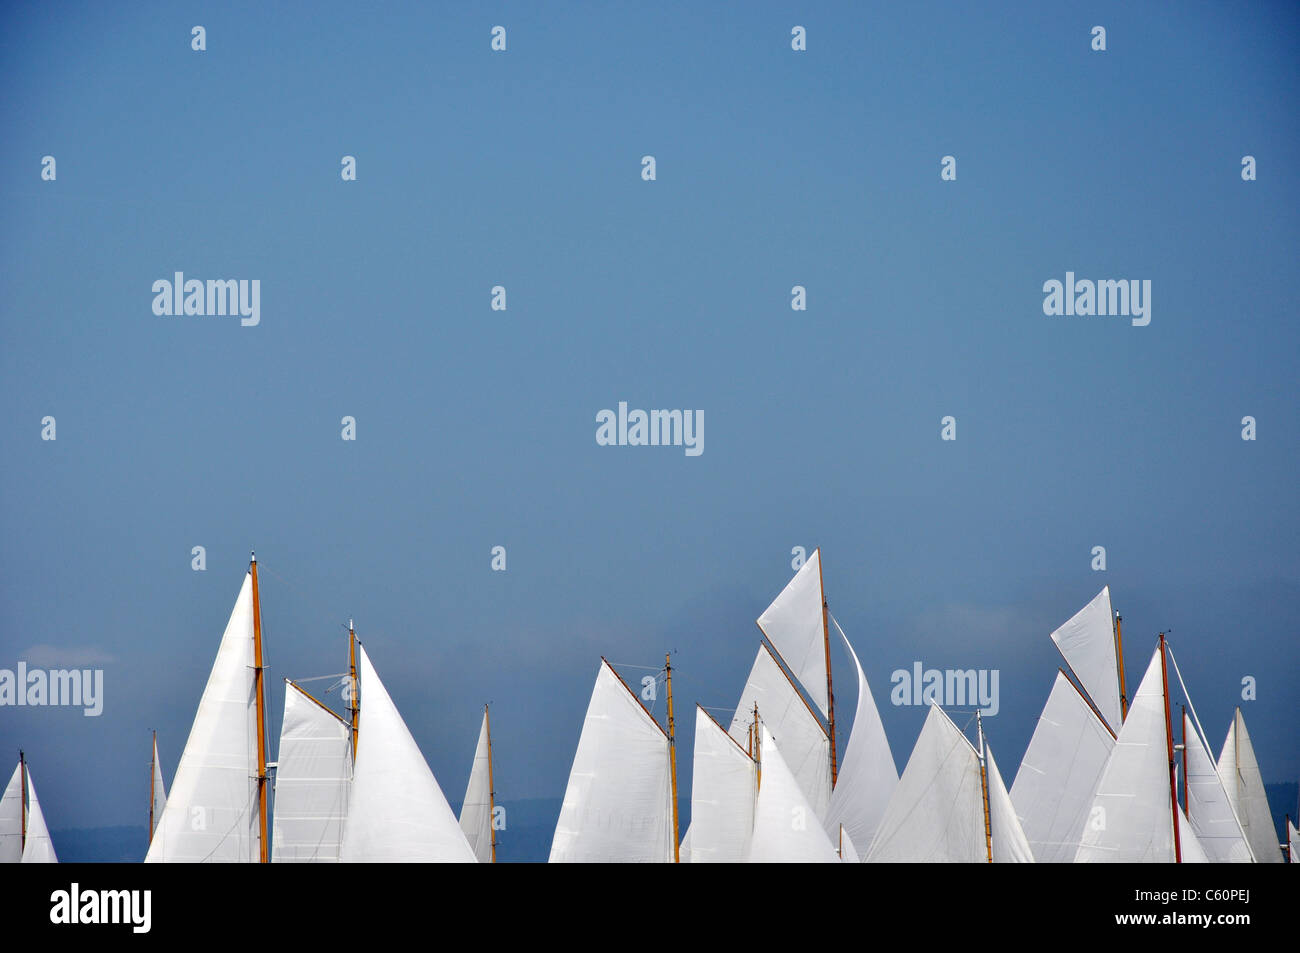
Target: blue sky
x: 476, y: 428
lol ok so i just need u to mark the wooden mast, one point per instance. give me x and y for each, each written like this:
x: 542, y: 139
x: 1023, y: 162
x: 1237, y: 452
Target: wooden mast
x: 757, y: 753
x: 1169, y: 743
x: 261, y: 715
x: 487, y: 725
x: 153, y: 768
x: 984, y: 790
x: 1119, y: 657
x: 830, y: 692
x: 22, y: 813
x: 354, y: 704
x: 672, y: 752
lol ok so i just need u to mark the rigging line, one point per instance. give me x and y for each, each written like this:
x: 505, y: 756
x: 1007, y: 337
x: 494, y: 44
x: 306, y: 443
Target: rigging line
x: 648, y: 668
x: 317, y: 678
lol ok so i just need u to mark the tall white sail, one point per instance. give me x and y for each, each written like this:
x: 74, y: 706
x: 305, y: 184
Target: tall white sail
x: 1189, y: 845
x: 1208, y: 808
x: 794, y: 625
x: 11, y: 819
x: 1293, y: 842
x: 396, y: 811
x: 1087, y: 642
x: 212, y: 813
x: 1007, y: 836
x: 39, y: 848
x: 159, y: 788
x: 618, y: 803
x: 476, y: 809
x: 804, y: 745
x: 936, y: 814
x: 1245, y: 789
x: 1058, y: 777
x: 312, y: 778
x: 868, y: 775
x: 1131, y: 818
x: 724, y: 788
x: 786, y: 829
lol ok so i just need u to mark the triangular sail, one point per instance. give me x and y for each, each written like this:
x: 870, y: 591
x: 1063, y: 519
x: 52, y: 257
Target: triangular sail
x: 1058, y: 777
x: 724, y: 788
x: 786, y: 829
x: 11, y: 819
x: 312, y: 778
x: 794, y: 625
x: 1208, y: 808
x: 1293, y: 842
x: 1087, y: 643
x: 1190, y: 848
x: 1245, y: 789
x: 1010, y: 845
x: 39, y: 849
x: 868, y: 775
x: 618, y: 803
x: 1130, y: 820
x: 804, y: 744
x: 396, y: 811
x: 212, y: 813
x: 936, y: 814
x: 476, y: 809
x: 159, y: 788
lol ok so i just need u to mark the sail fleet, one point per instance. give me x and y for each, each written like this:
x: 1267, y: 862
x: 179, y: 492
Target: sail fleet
x: 1102, y: 780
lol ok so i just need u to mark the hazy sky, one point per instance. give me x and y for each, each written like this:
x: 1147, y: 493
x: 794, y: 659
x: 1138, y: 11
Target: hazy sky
x: 476, y: 427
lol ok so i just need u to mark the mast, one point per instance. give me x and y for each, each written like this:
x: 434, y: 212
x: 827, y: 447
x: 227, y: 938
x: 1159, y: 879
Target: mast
x: 487, y: 724
x: 354, y: 704
x: 830, y: 693
x: 1119, y: 657
x: 1186, y: 809
x: 984, y: 790
x: 1169, y: 743
x: 22, y: 813
x: 153, y: 759
x: 672, y: 754
x: 261, y: 715
x: 757, y: 753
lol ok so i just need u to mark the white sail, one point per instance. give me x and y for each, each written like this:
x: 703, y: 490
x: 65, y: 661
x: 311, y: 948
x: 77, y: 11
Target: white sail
x: 11, y: 819
x: 159, y: 788
x: 1131, y: 818
x: 618, y: 804
x: 804, y: 745
x: 1293, y: 842
x: 724, y: 786
x: 1010, y: 845
x: 1208, y: 808
x: 476, y: 809
x: 1087, y: 642
x: 868, y: 775
x: 1190, y: 848
x: 936, y: 814
x: 312, y: 778
x: 39, y: 849
x: 848, y: 853
x: 793, y: 623
x: 212, y: 813
x: 1058, y: 777
x: 1245, y: 788
x: 786, y: 829
x: 396, y: 811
